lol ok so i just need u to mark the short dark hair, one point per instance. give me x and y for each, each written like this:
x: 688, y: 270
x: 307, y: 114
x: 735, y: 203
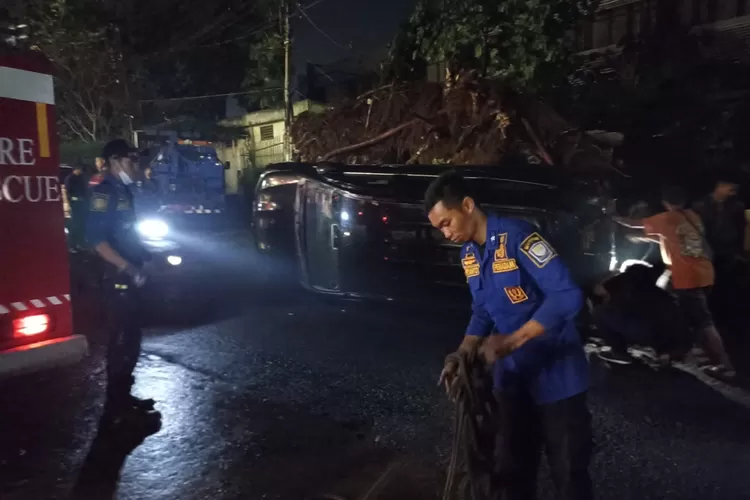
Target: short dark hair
x: 674, y: 195
x: 449, y: 188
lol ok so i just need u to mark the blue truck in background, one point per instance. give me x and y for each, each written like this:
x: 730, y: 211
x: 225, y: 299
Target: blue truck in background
x: 185, y: 177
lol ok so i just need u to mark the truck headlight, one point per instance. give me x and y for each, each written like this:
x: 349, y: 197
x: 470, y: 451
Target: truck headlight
x: 153, y: 229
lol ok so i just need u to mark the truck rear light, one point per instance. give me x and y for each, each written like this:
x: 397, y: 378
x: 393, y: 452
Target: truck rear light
x: 30, y: 325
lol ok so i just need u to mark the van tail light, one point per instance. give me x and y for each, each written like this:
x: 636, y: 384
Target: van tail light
x: 31, y: 325
x: 265, y: 203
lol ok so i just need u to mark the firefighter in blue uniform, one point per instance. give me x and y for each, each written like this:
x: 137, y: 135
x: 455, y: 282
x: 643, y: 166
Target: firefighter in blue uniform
x: 110, y: 231
x: 523, y: 312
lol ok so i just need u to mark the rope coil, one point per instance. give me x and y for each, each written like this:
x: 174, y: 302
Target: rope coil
x: 474, y: 431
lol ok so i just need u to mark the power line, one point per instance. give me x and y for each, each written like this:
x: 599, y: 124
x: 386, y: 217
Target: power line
x: 245, y: 36
x: 221, y: 21
x: 192, y: 98
x: 312, y: 23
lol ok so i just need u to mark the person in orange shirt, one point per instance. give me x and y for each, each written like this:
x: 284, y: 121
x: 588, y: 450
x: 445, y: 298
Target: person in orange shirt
x: 685, y: 250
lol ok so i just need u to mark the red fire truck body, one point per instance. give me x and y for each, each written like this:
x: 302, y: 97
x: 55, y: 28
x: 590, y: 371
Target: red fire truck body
x: 36, y: 326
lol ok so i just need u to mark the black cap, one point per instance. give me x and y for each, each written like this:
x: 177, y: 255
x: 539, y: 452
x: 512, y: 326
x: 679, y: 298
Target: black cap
x: 117, y: 147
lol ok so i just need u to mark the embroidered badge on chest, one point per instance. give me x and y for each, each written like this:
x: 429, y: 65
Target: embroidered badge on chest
x: 504, y: 266
x: 470, y: 265
x: 538, y: 250
x: 99, y: 202
x: 502, y: 250
x: 516, y: 294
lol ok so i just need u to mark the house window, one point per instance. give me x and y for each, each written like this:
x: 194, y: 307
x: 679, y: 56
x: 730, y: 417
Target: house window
x: 266, y: 133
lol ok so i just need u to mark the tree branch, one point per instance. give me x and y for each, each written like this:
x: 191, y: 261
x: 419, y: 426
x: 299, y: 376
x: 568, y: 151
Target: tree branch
x: 370, y: 142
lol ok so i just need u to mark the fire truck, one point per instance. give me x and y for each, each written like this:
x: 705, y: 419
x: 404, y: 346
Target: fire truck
x: 36, y: 324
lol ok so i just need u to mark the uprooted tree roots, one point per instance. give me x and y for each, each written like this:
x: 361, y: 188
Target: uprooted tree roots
x: 464, y: 121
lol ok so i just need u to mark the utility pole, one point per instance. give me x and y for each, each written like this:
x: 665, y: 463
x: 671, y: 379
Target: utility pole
x: 287, y: 77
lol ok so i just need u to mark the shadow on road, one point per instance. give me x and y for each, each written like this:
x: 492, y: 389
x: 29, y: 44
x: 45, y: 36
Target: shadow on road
x: 100, y: 474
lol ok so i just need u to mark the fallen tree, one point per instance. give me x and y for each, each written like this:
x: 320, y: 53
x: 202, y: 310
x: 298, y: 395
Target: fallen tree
x: 464, y: 121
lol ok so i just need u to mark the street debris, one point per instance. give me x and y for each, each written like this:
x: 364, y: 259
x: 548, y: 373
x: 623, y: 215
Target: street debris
x: 466, y: 121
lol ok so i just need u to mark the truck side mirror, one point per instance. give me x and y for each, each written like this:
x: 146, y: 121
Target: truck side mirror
x: 227, y: 165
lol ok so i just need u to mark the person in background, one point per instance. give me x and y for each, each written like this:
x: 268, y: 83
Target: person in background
x: 101, y: 169
x: 76, y: 189
x: 724, y: 217
x: 685, y: 250
x: 523, y: 324
x: 634, y: 311
x: 149, y: 184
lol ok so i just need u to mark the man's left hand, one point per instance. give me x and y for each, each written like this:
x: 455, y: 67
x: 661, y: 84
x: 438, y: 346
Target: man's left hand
x: 497, y: 347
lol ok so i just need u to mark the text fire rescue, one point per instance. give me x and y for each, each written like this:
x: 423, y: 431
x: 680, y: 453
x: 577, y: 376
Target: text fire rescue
x: 30, y: 188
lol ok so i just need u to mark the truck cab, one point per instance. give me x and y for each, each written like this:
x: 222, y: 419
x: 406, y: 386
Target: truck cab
x: 36, y: 323
x: 187, y: 177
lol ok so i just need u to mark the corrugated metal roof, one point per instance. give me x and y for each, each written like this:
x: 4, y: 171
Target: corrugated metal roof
x: 613, y: 4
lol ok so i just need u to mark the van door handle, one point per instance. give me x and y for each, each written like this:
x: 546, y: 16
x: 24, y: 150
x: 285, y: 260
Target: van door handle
x: 335, y: 236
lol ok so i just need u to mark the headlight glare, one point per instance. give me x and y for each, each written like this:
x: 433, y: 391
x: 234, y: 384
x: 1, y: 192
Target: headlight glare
x: 153, y: 229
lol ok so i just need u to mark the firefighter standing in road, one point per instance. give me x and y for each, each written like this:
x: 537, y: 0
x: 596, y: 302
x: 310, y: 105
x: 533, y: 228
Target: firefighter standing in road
x: 111, y: 233
x: 524, y: 307
x: 75, y: 187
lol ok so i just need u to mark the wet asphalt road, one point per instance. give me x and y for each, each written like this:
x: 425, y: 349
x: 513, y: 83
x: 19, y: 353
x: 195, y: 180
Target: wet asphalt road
x: 266, y: 392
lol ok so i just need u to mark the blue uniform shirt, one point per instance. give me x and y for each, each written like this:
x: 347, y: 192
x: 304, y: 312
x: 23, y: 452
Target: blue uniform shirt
x: 111, y: 218
x: 519, y: 278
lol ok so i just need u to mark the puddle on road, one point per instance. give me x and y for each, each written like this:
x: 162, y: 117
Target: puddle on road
x: 218, y: 442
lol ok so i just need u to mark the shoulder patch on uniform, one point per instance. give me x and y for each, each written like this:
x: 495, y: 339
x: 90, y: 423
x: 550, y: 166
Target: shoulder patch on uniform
x: 516, y: 294
x: 99, y: 202
x: 538, y: 250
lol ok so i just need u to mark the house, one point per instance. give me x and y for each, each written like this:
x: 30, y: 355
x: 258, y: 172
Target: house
x: 264, y: 141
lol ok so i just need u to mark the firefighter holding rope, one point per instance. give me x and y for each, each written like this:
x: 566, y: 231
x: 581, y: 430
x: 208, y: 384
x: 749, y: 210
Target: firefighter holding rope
x: 523, y: 312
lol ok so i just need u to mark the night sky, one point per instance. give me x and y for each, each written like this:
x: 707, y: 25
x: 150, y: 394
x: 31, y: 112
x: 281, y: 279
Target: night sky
x: 365, y: 24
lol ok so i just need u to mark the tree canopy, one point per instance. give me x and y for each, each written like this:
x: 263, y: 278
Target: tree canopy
x: 91, y: 86
x: 112, y: 57
x: 264, y: 77
x: 523, y: 42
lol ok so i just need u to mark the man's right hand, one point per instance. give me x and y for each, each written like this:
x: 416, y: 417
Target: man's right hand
x: 138, y: 277
x: 469, y: 347
x: 448, y: 375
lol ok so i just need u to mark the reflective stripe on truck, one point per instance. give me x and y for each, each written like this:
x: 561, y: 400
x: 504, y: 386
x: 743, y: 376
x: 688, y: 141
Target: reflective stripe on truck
x: 23, y: 306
